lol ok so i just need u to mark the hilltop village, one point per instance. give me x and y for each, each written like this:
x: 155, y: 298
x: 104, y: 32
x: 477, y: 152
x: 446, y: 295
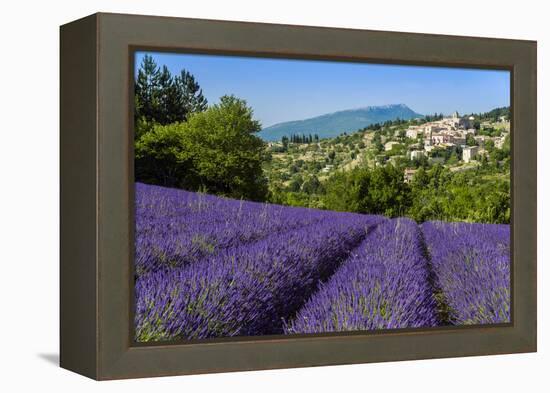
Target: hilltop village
x: 457, y: 142
x: 453, y: 134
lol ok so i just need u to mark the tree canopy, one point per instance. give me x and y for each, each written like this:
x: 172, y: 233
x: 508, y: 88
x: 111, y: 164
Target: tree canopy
x: 215, y: 151
x: 375, y: 191
x: 163, y: 98
x: 436, y: 193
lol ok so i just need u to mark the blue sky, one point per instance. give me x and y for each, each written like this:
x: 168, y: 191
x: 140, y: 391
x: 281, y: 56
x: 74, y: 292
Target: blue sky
x: 281, y: 90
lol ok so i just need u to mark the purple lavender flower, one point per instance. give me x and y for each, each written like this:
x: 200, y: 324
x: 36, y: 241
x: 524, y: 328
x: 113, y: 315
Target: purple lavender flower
x: 382, y: 285
x: 208, y: 266
x: 250, y: 287
x: 471, y: 264
x: 175, y: 227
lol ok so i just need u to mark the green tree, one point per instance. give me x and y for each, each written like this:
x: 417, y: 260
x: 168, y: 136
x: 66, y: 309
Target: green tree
x: 284, y: 141
x: 312, y: 185
x: 192, y: 98
x: 161, y: 157
x: 341, y: 192
x: 374, y: 191
x: 470, y: 140
x: 377, y: 141
x: 383, y: 191
x: 147, y: 85
x: 226, y: 154
x: 401, y: 134
x: 295, y: 184
x: 142, y: 126
x: 215, y: 151
x: 168, y: 98
x: 164, y: 99
x: 475, y: 196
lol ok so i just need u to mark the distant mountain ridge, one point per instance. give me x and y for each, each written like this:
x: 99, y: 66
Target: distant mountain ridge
x: 333, y: 124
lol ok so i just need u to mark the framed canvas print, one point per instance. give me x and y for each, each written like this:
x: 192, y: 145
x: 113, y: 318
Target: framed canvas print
x: 241, y: 196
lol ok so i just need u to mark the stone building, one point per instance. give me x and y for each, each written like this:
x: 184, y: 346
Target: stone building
x: 468, y: 153
x: 417, y: 154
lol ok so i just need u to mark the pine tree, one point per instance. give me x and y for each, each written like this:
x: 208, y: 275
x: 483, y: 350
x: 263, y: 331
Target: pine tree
x: 146, y: 86
x: 169, y: 99
x: 284, y: 141
x: 192, y: 97
x: 164, y: 99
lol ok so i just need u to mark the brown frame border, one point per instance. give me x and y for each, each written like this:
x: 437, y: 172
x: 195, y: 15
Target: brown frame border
x: 97, y: 183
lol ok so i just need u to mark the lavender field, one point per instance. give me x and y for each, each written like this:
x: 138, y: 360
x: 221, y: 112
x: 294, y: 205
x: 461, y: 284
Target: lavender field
x: 210, y: 267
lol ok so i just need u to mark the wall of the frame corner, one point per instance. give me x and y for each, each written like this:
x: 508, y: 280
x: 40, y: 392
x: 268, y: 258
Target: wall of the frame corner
x: 78, y: 190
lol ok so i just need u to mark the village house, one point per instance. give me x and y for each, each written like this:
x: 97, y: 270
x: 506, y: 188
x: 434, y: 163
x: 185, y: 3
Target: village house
x: 458, y: 139
x: 417, y: 154
x: 468, y: 153
x: 462, y: 122
x: 413, y: 132
x: 454, y: 120
x: 430, y: 128
x: 408, y: 176
x: 438, y: 139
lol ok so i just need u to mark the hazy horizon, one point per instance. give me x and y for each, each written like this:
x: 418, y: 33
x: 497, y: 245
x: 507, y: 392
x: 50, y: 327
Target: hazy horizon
x: 281, y: 90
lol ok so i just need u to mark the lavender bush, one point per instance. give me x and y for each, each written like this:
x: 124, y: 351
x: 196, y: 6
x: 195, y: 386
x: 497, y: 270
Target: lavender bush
x: 174, y: 227
x: 382, y: 285
x: 471, y: 263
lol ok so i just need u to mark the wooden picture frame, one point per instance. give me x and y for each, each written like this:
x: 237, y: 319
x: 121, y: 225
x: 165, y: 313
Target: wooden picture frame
x: 97, y: 195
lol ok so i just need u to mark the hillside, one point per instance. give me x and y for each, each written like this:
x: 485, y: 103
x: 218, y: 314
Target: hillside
x: 333, y: 124
x: 322, y: 174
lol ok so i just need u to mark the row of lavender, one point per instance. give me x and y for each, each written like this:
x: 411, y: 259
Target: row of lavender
x: 213, y: 267
x: 175, y: 227
x: 471, y: 265
x: 261, y: 265
x: 383, y: 285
